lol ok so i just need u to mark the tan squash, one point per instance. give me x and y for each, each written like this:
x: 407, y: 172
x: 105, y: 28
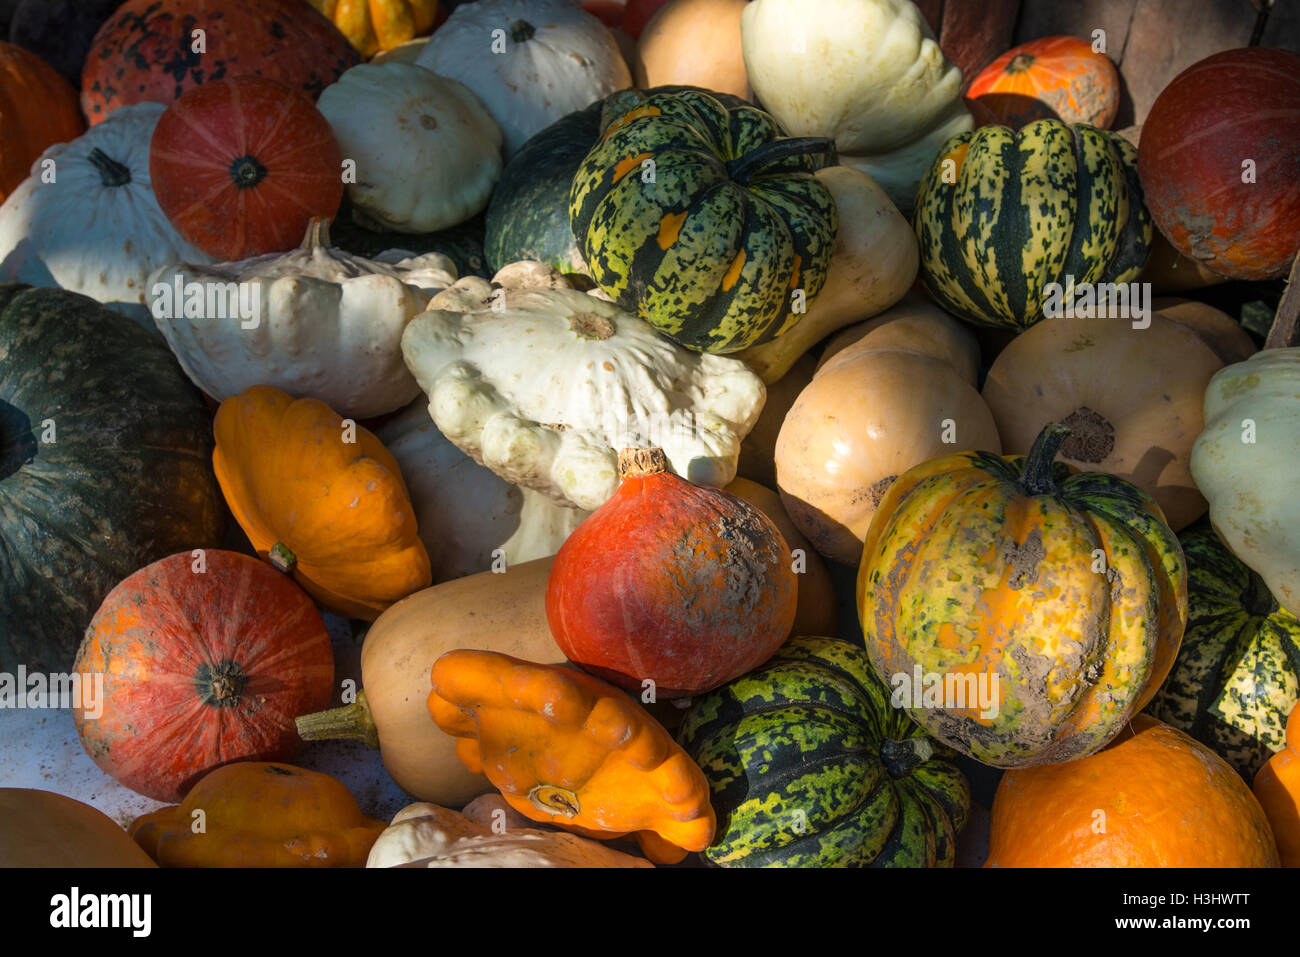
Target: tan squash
x: 863, y: 420
x: 503, y: 612
x: 1168, y: 270
x: 873, y: 265
x: 1132, y: 396
x: 694, y: 43
x: 757, y: 460
x: 815, y: 612
x: 44, y: 829
x: 1220, y: 331
x: 914, y: 325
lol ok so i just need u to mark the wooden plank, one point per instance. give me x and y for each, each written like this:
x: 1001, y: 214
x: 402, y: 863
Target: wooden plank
x: 1168, y: 36
x: 975, y: 32
x: 932, y: 10
x: 1283, y: 26
x: 1286, y: 324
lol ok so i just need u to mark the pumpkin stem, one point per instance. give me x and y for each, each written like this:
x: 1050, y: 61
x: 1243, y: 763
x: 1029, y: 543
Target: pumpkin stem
x: 744, y: 168
x: 638, y: 463
x: 247, y: 172
x: 220, y: 685
x: 1285, y: 331
x: 318, y: 234
x: 281, y: 558
x: 352, y: 721
x: 1036, y: 474
x: 111, y: 172
x: 521, y: 31
x: 900, y: 757
x: 1020, y: 63
x: 555, y: 800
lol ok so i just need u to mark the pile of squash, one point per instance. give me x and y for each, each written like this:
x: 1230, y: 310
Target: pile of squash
x: 678, y: 396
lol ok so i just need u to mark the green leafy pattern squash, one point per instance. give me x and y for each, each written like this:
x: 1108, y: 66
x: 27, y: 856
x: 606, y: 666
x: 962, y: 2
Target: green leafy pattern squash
x: 1237, y: 675
x: 105, y: 466
x: 810, y: 766
x: 702, y: 220
x: 1002, y: 214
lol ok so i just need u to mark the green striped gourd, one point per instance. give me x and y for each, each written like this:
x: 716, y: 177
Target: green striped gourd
x: 1237, y: 675
x: 699, y: 217
x: 1001, y: 215
x: 810, y: 766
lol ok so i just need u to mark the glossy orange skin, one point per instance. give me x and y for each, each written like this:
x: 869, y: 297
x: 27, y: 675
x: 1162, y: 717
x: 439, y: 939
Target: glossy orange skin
x: 201, y: 138
x: 38, y: 108
x: 157, y: 635
x: 1225, y: 109
x: 1277, y: 785
x: 261, y: 815
x: 1154, y: 798
x: 376, y: 25
x: 680, y: 584
x: 342, y: 508
x: 1053, y: 77
x: 529, y: 726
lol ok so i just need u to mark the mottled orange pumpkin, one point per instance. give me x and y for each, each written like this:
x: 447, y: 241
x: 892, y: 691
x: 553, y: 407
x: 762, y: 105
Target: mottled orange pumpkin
x: 1049, y: 603
x: 320, y: 498
x: 1154, y: 798
x: 1277, y: 785
x: 1057, y: 77
x: 38, y: 108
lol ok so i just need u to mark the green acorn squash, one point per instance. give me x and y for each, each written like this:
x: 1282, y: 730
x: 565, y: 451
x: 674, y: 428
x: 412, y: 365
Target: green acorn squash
x: 702, y: 219
x: 105, y: 466
x: 1237, y: 675
x: 810, y: 766
x: 1002, y: 214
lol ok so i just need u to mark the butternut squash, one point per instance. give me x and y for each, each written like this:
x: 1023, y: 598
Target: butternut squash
x: 913, y: 325
x: 694, y: 43
x: 757, y: 460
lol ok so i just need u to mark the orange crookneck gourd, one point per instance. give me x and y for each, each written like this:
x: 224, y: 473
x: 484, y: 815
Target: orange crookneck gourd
x: 568, y: 749
x: 1277, y: 785
x: 320, y: 498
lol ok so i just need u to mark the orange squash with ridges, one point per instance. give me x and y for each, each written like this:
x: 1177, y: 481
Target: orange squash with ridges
x: 1277, y: 785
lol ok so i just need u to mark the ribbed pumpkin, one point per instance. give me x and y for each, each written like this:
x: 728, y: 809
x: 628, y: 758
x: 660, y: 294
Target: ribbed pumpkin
x: 320, y: 498
x: 241, y: 167
x: 205, y: 659
x: 376, y: 25
x: 104, y: 466
x: 1001, y: 215
x: 1067, y: 590
x: 810, y: 766
x: 146, y: 50
x: 1277, y: 786
x: 1057, y: 77
x: 1237, y: 675
x: 37, y: 109
x: 701, y: 219
x: 679, y: 584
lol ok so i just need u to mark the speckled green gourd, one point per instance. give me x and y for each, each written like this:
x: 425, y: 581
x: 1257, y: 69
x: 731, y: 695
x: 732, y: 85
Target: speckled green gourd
x: 1237, y: 675
x: 105, y: 466
x: 699, y: 217
x: 810, y: 766
x: 1001, y: 215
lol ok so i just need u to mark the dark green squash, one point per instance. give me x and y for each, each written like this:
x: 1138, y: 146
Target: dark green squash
x: 710, y: 243
x: 1237, y: 675
x: 810, y: 766
x: 105, y: 466
x: 1024, y: 210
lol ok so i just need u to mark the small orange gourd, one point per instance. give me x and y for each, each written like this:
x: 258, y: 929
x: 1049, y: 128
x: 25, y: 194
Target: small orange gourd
x: 568, y: 749
x: 1059, y: 77
x: 260, y: 815
x: 321, y: 498
x: 1277, y: 785
x: 373, y: 26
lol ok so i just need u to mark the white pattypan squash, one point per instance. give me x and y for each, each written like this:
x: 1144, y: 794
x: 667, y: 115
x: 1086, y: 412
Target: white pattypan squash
x: 867, y: 73
x: 464, y: 512
x: 1245, y: 463
x: 316, y: 322
x: 426, y: 835
x: 427, y: 153
x: 544, y: 384
x: 529, y: 61
x: 87, y: 220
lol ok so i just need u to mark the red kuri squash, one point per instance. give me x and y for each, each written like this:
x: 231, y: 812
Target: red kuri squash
x: 242, y: 166
x: 1050, y: 78
x: 207, y: 658
x: 1218, y: 160
x: 679, y: 584
x: 637, y: 13
x: 154, y: 50
x: 37, y: 109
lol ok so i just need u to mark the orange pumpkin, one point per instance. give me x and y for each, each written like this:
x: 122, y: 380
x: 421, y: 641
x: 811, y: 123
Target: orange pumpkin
x: 321, y: 498
x: 260, y: 815
x: 1277, y: 785
x: 1154, y: 798
x: 38, y: 108
x: 567, y: 749
x: 1051, y: 78
x: 373, y: 26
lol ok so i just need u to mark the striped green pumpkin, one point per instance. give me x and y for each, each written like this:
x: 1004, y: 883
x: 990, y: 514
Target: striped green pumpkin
x: 701, y: 219
x: 1237, y: 675
x: 810, y: 766
x: 1003, y: 214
